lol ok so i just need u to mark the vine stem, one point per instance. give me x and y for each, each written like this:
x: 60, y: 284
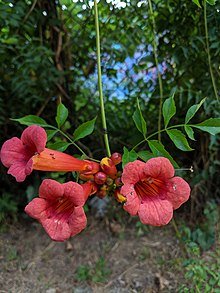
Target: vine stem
x: 104, y: 125
x: 72, y: 142
x: 208, y: 52
x: 157, y: 66
x: 157, y: 132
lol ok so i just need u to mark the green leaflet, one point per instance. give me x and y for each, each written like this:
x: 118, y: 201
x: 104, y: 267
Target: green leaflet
x: 169, y: 110
x: 179, y: 139
x: 139, y: 120
x: 158, y: 150
x: 62, y: 114
x: 211, y: 125
x: 84, y: 129
x: 128, y: 156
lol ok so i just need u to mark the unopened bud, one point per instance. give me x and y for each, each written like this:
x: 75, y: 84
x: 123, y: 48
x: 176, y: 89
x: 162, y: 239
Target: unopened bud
x: 92, y: 168
x: 86, y: 177
x: 100, y: 178
x: 118, y: 182
x: 109, y: 181
x: 116, y: 158
x: 119, y: 197
x: 108, y: 167
x: 102, y: 192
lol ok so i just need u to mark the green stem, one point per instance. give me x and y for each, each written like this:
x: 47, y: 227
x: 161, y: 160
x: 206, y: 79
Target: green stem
x: 104, y: 125
x: 157, y: 132
x: 73, y: 143
x: 157, y: 66
x: 208, y: 53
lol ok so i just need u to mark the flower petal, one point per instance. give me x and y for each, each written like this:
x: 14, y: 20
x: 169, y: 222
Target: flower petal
x: 51, y: 189
x: 155, y: 212
x: 77, y: 221
x: 13, y: 150
x: 74, y: 192
x: 159, y: 167
x: 133, y: 172
x: 133, y: 202
x: 178, y: 192
x: 35, y: 137
x: 37, y: 209
x: 58, y: 230
x: 51, y: 160
x: 18, y: 170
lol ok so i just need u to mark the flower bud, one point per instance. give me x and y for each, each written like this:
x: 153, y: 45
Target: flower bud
x: 102, y: 192
x: 116, y: 158
x: 109, y: 181
x: 92, y: 168
x: 118, y: 182
x: 100, y: 178
x: 85, y: 177
x: 119, y: 197
x: 108, y: 167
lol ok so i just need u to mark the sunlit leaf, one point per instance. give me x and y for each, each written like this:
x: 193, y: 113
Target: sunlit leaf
x: 211, y: 2
x: 197, y: 3
x: 50, y: 134
x: 128, y: 156
x: 189, y: 132
x: 59, y: 146
x: 32, y: 120
x: 159, y: 150
x: 84, y: 129
x: 169, y: 110
x: 211, y: 125
x: 139, y: 120
x: 179, y: 139
x: 62, y: 114
x: 192, y: 110
x: 145, y: 155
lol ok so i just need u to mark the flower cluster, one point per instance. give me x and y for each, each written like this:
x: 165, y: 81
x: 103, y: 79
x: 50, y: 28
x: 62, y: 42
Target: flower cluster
x: 148, y: 190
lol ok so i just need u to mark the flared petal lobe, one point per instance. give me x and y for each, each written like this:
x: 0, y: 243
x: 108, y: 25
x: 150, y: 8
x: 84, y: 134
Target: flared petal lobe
x: 35, y: 138
x: 132, y: 204
x: 159, y: 168
x: 178, y: 192
x: 155, y: 212
x: 133, y: 172
x: 60, y: 208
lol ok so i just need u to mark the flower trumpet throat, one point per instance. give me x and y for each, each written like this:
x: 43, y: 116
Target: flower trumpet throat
x: 51, y: 160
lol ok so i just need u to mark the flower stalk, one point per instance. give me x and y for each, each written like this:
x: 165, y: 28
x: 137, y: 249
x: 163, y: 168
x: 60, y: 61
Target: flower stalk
x: 157, y: 66
x: 104, y: 124
x: 208, y: 53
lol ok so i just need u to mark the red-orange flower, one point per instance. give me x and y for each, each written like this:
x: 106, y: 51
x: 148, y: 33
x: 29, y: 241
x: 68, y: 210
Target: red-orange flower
x: 151, y: 190
x: 23, y: 155
x: 59, y: 208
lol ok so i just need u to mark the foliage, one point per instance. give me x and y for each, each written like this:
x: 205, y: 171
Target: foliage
x: 97, y: 273
x: 8, y: 206
x: 204, y: 234
x: 202, y: 275
x: 48, y: 54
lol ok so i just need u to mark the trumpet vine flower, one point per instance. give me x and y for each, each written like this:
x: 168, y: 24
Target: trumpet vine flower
x: 151, y: 190
x: 28, y: 153
x: 59, y: 208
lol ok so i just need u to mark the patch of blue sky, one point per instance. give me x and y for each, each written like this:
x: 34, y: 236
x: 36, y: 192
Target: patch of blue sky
x: 127, y: 72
